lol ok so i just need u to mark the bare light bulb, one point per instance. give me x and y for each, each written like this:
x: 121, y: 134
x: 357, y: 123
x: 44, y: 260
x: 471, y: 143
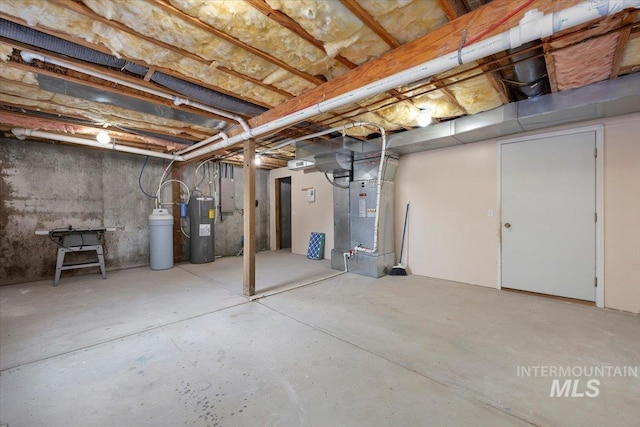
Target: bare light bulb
x: 103, y: 137
x: 424, y: 118
x: 257, y: 160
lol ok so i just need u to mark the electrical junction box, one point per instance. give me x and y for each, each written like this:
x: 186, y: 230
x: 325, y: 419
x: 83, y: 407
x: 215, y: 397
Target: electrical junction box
x: 227, y: 195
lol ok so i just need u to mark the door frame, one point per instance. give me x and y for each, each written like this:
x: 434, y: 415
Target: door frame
x: 599, y: 188
x: 277, y: 201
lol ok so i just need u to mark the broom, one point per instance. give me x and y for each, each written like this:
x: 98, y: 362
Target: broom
x: 399, y: 269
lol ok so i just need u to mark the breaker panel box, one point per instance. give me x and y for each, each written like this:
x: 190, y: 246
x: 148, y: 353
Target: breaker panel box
x: 227, y: 195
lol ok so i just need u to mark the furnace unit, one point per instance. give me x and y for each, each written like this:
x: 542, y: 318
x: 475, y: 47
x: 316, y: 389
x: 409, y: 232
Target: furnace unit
x: 357, y: 209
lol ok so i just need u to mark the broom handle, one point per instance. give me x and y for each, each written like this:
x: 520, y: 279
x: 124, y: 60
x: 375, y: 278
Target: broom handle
x: 404, y: 230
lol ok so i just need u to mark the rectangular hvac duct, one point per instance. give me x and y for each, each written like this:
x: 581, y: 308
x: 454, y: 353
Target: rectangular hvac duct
x: 421, y: 139
x: 488, y: 124
x: 300, y: 164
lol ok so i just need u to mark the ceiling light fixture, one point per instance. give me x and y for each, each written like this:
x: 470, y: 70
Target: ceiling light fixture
x: 103, y: 137
x: 257, y: 160
x: 424, y: 118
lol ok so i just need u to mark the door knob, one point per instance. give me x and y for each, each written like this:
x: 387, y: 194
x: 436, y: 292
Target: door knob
x: 507, y: 225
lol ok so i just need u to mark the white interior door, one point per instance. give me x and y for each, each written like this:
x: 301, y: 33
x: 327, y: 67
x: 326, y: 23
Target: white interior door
x: 548, y: 205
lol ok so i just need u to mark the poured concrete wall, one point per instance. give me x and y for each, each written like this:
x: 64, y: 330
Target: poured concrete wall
x: 45, y: 186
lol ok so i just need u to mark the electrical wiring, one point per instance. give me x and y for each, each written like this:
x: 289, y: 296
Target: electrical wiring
x: 140, y: 179
x: 161, y: 183
x: 168, y: 181
x: 497, y: 24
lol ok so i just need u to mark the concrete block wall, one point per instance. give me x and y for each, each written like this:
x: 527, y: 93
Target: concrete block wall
x: 46, y: 186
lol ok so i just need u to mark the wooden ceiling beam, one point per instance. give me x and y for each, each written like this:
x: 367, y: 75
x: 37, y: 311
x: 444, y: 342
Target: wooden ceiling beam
x: 256, y: 81
x: 173, y: 11
x: 290, y: 24
x: 107, y: 86
x: 453, y: 9
x: 102, y: 49
x: 551, y: 65
x: 494, y: 81
x: 368, y: 20
x: 58, y: 125
x: 441, y: 41
x: 69, y: 118
x: 450, y: 96
x: 85, y: 11
x: 623, y: 39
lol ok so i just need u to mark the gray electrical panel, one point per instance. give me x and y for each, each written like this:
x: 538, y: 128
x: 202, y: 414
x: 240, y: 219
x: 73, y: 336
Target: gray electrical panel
x: 227, y: 195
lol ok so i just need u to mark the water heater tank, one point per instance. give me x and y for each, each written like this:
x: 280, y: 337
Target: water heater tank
x: 161, y: 239
x: 201, y: 241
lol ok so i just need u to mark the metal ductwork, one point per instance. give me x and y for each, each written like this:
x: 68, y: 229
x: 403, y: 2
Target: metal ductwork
x: 26, y: 35
x: 32, y: 37
x: 90, y: 93
x: 326, y: 155
x: 530, y: 70
x: 604, y: 99
x: 207, y: 96
x: 335, y: 162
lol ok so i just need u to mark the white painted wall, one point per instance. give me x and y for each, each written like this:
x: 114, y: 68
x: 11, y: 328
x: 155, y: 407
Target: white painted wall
x: 449, y: 234
x: 306, y: 217
x: 451, y: 237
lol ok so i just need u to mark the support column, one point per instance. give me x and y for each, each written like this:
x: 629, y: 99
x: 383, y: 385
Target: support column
x: 249, y: 256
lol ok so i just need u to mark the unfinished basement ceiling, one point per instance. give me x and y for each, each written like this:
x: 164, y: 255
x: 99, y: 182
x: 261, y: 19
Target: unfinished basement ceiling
x: 257, y: 60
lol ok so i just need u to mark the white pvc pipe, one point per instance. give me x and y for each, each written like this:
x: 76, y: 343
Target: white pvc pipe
x: 166, y: 182
x: 22, y: 133
x: 376, y: 222
x: 220, y: 135
x: 30, y: 56
x: 534, y: 26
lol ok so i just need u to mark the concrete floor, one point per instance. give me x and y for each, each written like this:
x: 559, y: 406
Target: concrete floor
x: 184, y: 347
